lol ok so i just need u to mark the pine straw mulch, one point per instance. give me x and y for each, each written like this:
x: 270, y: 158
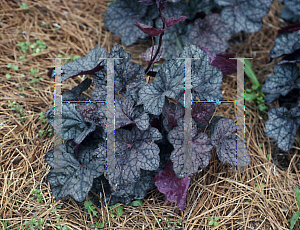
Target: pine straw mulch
x: 74, y: 28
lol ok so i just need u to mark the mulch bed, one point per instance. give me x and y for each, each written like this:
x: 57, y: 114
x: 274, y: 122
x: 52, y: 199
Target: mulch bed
x: 74, y: 28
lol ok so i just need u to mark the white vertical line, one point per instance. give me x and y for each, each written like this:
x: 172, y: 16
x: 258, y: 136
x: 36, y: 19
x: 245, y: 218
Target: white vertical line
x: 188, y: 164
x: 57, y: 117
x: 110, y: 112
x: 240, y: 103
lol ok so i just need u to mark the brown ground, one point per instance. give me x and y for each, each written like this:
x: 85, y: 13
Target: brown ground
x: 233, y: 197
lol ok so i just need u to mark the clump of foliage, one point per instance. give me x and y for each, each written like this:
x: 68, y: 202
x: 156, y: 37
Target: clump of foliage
x: 284, y: 84
x: 210, y: 23
x: 149, y: 124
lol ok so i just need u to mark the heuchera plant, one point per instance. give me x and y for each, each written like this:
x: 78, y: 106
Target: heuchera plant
x: 149, y: 122
x: 209, y: 23
x: 283, y: 122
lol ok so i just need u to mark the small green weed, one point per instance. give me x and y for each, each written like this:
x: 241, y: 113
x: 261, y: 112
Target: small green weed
x: 177, y: 224
x: 37, y: 47
x: 34, y: 72
x: 22, y: 58
x: 213, y: 221
x: 117, y: 208
x: 23, y: 6
x: 37, y: 195
x: 33, y: 224
x: 24, y: 46
x: 4, y: 224
x: 68, y: 58
x: 255, y: 93
x: 97, y: 226
x: 260, y: 186
x: 12, y: 67
x: 296, y: 214
x: 91, y: 209
x: 17, y: 108
x: 136, y: 203
x: 178, y: 42
x: 42, y: 117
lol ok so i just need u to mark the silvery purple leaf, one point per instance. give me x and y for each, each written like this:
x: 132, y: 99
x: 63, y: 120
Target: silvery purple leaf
x: 126, y: 112
x: 89, y: 64
x: 284, y: 79
x: 286, y: 43
x: 201, y: 148
x: 229, y: 149
x: 73, y: 178
x: 211, y: 32
x: 127, y: 75
x: 169, y: 82
x: 121, y: 15
x: 282, y: 126
x: 73, y: 124
x: 135, y: 150
x: 206, y: 78
x: 244, y: 15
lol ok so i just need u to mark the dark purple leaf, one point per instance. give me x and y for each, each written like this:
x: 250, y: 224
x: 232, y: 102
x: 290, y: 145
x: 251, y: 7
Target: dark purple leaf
x: 202, y: 112
x: 174, y: 188
x: 173, y: 21
x: 284, y: 79
x: 172, y: 113
x: 211, y: 32
x: 121, y: 15
x: 285, y: 44
x: 169, y: 82
x: 201, y: 148
x: 225, y: 64
x: 148, y: 2
x: 150, y: 30
x: 223, y: 61
x: 72, y: 177
x: 160, y: 4
x: 89, y: 64
x: 244, y: 15
x: 289, y: 29
x: 282, y: 126
x: 229, y: 149
x: 148, y: 54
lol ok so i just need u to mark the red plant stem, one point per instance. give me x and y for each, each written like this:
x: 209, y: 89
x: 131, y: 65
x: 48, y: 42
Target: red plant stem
x: 159, y: 44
